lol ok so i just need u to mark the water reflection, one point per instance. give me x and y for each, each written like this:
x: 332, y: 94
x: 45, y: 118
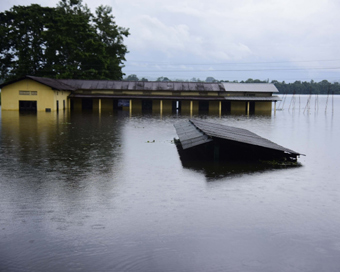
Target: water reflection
x: 213, y: 171
x: 70, y: 146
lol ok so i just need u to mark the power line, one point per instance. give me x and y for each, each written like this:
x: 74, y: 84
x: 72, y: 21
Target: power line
x: 235, y: 70
x: 226, y: 63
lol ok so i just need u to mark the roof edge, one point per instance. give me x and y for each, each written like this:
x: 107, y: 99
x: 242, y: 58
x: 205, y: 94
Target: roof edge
x: 50, y: 82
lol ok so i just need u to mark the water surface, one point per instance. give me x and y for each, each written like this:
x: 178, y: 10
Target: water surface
x: 90, y: 192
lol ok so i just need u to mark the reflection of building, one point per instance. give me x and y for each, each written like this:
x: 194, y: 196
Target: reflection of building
x: 45, y: 94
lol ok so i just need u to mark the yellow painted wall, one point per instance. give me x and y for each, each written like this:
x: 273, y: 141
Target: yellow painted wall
x: 190, y: 93
x: 45, y: 96
x: 185, y: 107
x: 96, y: 105
x: 263, y: 107
x: 214, y: 107
x: 167, y: 106
x: 195, y: 106
x: 161, y: 93
x: 133, y: 92
x: 156, y: 106
x: 238, y: 107
x: 77, y: 104
x: 107, y: 104
x: 136, y: 105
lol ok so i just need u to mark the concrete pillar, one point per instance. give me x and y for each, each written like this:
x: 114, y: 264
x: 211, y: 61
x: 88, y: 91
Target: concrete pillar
x: 99, y: 105
x: 191, y: 106
x: 130, y: 107
x: 220, y: 108
x: 275, y: 107
x: 248, y: 105
x: 161, y: 106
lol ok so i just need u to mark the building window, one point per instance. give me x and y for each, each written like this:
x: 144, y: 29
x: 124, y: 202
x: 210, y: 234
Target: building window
x: 34, y: 93
x: 24, y: 92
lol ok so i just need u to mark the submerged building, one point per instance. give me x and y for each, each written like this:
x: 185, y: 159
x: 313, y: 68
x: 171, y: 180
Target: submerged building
x: 199, y: 139
x: 46, y: 94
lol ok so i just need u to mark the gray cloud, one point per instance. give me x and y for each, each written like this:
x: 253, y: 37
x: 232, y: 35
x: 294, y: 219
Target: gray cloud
x: 233, y: 39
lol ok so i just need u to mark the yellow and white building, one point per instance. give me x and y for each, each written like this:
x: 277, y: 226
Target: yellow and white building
x: 46, y: 94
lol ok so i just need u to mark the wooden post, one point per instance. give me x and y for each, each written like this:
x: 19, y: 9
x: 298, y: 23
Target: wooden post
x: 68, y: 102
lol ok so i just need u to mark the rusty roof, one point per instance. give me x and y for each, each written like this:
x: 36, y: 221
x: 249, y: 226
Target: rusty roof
x: 81, y: 84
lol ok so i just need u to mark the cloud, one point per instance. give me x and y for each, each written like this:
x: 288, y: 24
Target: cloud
x: 217, y: 31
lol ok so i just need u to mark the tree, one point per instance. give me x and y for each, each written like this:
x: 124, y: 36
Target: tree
x: 63, y: 42
x: 163, y: 79
x: 132, y: 77
x: 210, y: 79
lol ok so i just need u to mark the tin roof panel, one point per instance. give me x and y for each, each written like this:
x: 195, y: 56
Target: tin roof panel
x: 195, y: 132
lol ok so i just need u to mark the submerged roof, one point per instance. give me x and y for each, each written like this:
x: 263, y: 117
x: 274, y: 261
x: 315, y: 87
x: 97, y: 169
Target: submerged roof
x: 189, y: 135
x: 193, y: 132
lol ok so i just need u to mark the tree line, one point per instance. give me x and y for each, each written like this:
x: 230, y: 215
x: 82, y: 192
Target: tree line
x: 67, y: 41
x: 297, y: 87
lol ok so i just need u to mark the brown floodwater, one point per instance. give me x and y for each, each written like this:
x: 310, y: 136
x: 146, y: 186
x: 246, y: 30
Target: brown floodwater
x: 109, y: 192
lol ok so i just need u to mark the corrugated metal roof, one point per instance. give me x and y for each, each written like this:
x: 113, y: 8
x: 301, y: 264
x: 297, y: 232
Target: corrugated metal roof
x: 169, y: 86
x: 53, y: 83
x: 250, y: 87
x: 189, y: 135
x: 81, y: 84
x: 226, y: 132
x: 50, y: 82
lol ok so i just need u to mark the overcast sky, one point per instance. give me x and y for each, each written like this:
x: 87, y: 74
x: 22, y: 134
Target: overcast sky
x: 227, y: 39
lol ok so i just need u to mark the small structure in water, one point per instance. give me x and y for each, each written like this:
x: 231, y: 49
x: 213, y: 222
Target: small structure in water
x: 200, y: 139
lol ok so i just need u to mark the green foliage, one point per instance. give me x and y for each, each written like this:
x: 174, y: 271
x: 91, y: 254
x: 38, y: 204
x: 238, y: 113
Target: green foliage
x: 132, y: 77
x: 312, y: 87
x: 63, y: 42
x: 163, y: 79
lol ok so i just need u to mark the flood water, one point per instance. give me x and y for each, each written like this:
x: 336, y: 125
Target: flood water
x: 90, y: 192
